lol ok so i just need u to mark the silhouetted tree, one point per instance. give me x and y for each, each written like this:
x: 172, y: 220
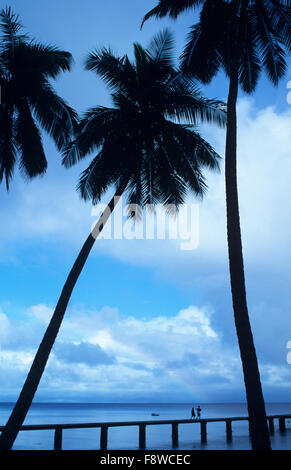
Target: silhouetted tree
x: 28, y: 101
x: 147, y: 146
x: 242, y: 37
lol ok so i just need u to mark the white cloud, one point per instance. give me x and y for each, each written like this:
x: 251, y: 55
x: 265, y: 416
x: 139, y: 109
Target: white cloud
x: 41, y: 312
x: 150, y: 340
x: 125, y: 353
x: 105, y: 354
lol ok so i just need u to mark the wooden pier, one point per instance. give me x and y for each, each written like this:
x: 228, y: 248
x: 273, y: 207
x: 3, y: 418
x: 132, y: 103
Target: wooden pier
x: 58, y: 428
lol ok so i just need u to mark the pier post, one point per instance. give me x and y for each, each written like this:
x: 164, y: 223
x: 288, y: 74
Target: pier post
x: 271, y: 425
x: 58, y: 438
x: 228, y: 423
x: 282, y: 424
x: 103, y: 437
x: 142, y: 436
x: 175, y: 438
x: 203, y: 432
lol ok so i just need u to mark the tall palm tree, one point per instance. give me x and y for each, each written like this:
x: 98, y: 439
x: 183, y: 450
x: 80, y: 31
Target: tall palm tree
x: 28, y: 101
x: 142, y: 149
x: 242, y: 37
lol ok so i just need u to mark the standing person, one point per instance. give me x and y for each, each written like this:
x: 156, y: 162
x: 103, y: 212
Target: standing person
x: 193, y: 416
x: 198, y: 412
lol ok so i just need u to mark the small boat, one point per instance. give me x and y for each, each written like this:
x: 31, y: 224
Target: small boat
x: 155, y: 414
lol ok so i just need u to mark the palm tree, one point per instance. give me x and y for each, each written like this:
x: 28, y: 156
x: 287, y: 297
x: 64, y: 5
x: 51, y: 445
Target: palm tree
x: 242, y: 37
x: 28, y: 101
x: 142, y: 149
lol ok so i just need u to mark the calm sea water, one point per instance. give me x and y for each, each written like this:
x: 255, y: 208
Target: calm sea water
x: 158, y: 437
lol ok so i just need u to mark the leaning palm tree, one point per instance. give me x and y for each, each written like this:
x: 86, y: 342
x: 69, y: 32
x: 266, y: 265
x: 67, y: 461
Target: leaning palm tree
x: 147, y: 146
x: 242, y: 37
x: 28, y: 101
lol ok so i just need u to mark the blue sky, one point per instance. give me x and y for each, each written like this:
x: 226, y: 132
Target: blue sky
x: 157, y: 319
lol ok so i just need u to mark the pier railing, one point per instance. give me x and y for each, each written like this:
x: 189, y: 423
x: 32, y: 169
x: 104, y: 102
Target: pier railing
x: 58, y: 428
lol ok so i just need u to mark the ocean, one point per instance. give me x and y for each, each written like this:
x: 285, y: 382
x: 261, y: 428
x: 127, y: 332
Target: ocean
x: 157, y: 437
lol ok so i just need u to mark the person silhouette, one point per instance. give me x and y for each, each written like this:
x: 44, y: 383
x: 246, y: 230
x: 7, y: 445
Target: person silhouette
x: 198, y: 409
x: 193, y: 416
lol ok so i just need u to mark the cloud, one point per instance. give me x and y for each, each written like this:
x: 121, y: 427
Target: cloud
x: 86, y: 353
x: 104, y: 355
x: 41, y: 312
x: 125, y: 355
x: 47, y: 209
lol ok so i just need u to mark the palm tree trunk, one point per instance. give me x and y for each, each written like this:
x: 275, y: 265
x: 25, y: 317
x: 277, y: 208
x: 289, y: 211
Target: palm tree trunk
x: 256, y: 407
x: 25, y: 398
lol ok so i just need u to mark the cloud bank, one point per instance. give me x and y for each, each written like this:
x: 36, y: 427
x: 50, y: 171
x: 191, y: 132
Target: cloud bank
x: 105, y: 356
x: 109, y: 355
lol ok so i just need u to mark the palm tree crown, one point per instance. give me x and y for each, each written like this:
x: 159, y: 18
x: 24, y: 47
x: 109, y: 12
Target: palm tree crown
x: 28, y: 101
x: 143, y: 138
x: 260, y: 38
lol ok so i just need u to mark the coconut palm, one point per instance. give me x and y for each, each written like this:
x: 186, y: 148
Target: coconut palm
x: 28, y: 101
x: 243, y: 37
x: 147, y: 146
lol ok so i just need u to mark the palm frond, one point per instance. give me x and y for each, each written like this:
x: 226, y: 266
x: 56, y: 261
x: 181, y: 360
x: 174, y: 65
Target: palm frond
x: 185, y: 102
x: 193, y: 108
x: 40, y: 60
x: 10, y: 26
x: 192, y: 146
x: 117, y: 72
x: 32, y: 157
x: 172, y: 184
x: 280, y: 15
x: 141, y: 58
x: 55, y: 116
x: 268, y: 45
x: 104, y: 171
x: 170, y: 7
x: 93, y: 183
x: 250, y: 62
x: 201, y: 57
x: 161, y: 47
x: 8, y: 148
x: 97, y: 125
